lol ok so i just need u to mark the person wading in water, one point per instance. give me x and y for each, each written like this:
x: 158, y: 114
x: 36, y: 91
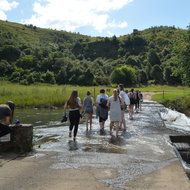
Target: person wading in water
x: 88, y: 109
x: 126, y: 100
x: 74, y: 105
x: 115, y: 102
x: 132, y: 103
x: 102, y: 109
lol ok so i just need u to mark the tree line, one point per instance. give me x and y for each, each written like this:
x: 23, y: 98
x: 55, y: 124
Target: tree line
x: 158, y: 55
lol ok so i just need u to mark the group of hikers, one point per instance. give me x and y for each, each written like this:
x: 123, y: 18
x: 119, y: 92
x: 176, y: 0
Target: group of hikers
x: 120, y: 102
x: 117, y: 104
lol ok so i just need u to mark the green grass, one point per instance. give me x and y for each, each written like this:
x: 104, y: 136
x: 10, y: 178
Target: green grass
x: 161, y: 98
x: 165, y: 88
x: 178, y: 101
x: 46, y: 95
x: 41, y: 95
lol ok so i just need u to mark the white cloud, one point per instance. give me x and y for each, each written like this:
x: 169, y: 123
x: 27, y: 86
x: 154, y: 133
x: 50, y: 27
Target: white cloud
x: 72, y: 14
x: 6, y: 6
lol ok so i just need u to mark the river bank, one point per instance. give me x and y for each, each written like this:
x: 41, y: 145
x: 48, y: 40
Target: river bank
x: 142, y: 158
x: 52, y: 96
x: 176, y: 101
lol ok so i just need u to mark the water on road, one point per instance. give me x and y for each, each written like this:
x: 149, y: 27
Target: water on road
x: 143, y: 148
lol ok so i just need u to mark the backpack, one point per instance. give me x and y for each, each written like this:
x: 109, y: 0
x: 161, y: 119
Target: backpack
x: 103, y: 103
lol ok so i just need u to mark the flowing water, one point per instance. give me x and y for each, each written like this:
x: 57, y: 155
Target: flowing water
x: 142, y: 149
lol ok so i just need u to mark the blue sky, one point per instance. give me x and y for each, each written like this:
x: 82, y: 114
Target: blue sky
x: 97, y: 17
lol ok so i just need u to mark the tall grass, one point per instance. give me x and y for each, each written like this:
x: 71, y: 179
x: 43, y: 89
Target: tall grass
x: 46, y: 95
x: 41, y: 95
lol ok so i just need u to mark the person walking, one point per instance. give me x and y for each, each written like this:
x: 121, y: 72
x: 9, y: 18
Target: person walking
x: 132, y: 98
x: 126, y: 100
x: 140, y: 100
x: 102, y: 109
x: 6, y: 117
x: 74, y: 105
x: 115, y: 102
x: 137, y: 101
x: 88, y: 109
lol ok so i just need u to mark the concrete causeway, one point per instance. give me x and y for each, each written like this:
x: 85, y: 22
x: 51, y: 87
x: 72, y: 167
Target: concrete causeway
x: 142, y: 158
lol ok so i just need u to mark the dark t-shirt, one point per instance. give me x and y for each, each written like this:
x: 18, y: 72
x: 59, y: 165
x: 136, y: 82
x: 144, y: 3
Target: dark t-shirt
x: 5, y: 111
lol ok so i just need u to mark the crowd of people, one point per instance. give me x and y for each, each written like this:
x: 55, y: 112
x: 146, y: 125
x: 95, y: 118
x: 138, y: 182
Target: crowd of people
x: 118, y: 104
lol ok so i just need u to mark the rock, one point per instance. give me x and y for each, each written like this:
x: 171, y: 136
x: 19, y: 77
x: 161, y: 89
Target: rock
x: 21, y: 139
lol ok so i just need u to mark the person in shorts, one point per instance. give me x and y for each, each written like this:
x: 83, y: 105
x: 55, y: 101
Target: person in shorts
x: 88, y: 109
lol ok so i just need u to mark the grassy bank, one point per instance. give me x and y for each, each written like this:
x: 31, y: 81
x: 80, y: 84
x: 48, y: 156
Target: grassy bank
x: 40, y: 95
x: 44, y: 95
x: 178, y: 101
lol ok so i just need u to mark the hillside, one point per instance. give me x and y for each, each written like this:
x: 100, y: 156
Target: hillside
x: 29, y: 54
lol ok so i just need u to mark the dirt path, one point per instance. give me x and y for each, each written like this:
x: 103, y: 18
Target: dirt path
x: 148, y: 95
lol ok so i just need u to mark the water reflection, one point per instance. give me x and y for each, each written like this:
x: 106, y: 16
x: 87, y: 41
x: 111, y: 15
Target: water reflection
x: 73, y: 145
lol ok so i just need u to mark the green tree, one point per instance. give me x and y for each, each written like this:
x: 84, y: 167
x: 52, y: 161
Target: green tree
x: 27, y: 62
x: 142, y: 77
x: 49, y: 77
x: 125, y: 74
x: 153, y: 58
x: 182, y: 50
x: 6, y: 68
x: 167, y: 75
x: 156, y: 74
x: 62, y: 76
x: 9, y: 53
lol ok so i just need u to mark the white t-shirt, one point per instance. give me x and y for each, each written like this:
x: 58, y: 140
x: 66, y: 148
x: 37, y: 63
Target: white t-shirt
x: 105, y: 96
x: 125, y: 97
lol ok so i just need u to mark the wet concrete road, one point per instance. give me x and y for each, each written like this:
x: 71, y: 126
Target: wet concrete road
x: 144, y: 148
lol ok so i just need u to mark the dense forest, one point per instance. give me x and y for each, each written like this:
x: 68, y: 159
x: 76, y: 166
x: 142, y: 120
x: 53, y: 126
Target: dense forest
x: 158, y: 55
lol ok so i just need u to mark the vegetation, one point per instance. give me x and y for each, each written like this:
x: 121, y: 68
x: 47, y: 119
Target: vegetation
x: 177, y: 101
x: 41, y: 95
x: 48, y: 95
x: 158, y: 55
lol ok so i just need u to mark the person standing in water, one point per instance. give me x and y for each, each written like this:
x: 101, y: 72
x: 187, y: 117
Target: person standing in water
x: 6, y: 117
x: 132, y: 103
x: 115, y: 102
x: 88, y: 109
x: 141, y: 100
x: 126, y: 100
x: 102, y: 109
x: 137, y: 102
x: 74, y: 105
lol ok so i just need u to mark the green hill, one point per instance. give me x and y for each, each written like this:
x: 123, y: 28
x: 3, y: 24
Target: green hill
x: 29, y: 54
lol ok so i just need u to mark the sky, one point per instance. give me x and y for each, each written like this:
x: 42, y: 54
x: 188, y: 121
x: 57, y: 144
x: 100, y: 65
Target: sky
x: 97, y: 17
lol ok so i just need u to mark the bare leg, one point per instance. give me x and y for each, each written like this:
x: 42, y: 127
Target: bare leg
x: 131, y: 110
x: 103, y: 123
x: 120, y: 124
x: 87, y: 118
x: 117, y: 128
x: 140, y: 105
x: 111, y: 127
x: 90, y: 121
x: 123, y: 119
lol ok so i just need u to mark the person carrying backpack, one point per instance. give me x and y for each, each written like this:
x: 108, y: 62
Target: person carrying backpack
x: 102, y: 108
x: 132, y: 98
